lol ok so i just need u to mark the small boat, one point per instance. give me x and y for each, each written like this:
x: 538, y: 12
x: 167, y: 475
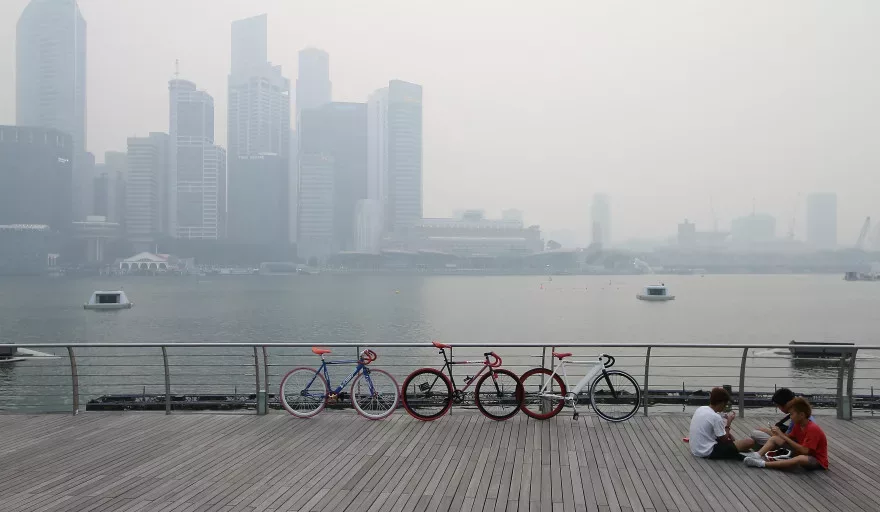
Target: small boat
x: 655, y: 293
x: 104, y: 300
x: 861, y: 276
x: 809, y: 349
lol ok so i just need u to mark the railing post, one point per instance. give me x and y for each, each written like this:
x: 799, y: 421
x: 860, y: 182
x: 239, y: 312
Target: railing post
x: 543, y: 365
x: 844, y: 394
x: 74, y: 380
x: 841, y: 370
x: 849, y: 381
x: 167, y: 380
x: 742, y: 383
x: 266, y: 375
x: 645, y: 388
x: 259, y: 394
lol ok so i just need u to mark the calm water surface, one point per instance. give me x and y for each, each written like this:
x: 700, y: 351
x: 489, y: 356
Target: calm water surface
x: 320, y: 309
x: 399, y: 309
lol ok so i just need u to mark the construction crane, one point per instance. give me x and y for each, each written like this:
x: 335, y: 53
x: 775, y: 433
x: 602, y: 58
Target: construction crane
x: 863, y: 233
x: 793, y: 217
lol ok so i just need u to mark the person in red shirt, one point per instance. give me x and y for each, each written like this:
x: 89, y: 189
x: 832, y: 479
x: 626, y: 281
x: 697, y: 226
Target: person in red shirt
x: 807, y: 442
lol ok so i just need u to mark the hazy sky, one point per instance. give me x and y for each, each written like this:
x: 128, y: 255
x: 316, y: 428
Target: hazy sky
x: 538, y: 105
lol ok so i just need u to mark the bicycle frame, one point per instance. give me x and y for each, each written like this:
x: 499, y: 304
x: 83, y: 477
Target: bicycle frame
x: 448, y: 363
x: 594, y: 373
x: 361, y: 366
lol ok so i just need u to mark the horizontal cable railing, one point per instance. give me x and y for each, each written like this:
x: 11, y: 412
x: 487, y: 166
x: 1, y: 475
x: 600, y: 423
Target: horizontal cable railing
x: 246, y: 376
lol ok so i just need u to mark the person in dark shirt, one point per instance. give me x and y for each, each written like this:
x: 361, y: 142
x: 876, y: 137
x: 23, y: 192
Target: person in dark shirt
x: 780, y: 399
x: 807, y: 442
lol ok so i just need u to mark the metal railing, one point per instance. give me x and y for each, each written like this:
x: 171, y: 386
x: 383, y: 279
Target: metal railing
x: 241, y: 376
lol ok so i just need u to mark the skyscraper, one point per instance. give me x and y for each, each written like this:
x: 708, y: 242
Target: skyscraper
x: 109, y: 187
x: 822, y: 220
x: 259, y: 139
x: 404, y: 175
x: 370, y: 212
x: 146, y: 190
x: 197, y: 178
x: 51, y: 79
x: 35, y: 176
x: 601, y: 220
x: 377, y: 146
x: 315, y: 234
x: 313, y: 87
x: 339, y: 130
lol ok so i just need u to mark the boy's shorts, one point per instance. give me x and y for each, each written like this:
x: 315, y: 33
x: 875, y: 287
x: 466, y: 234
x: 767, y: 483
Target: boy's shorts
x: 725, y: 451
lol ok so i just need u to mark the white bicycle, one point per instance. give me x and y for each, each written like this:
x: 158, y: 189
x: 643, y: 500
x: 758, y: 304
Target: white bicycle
x: 614, y: 394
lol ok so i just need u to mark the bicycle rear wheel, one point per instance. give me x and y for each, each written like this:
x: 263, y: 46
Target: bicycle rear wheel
x: 304, y: 392
x: 499, y: 394
x: 615, y: 395
x: 374, y: 394
x: 537, y: 405
x: 426, y: 394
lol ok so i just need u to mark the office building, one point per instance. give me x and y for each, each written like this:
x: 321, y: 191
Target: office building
x: 259, y: 139
x: 368, y: 226
x: 313, y: 86
x: 197, y: 191
x: 36, y: 166
x: 315, y: 234
x: 146, y: 189
x: 822, y: 220
x: 258, y: 201
x: 404, y: 163
x: 601, y: 220
x: 339, y: 130
x: 51, y: 80
x: 108, y: 189
x: 473, y: 235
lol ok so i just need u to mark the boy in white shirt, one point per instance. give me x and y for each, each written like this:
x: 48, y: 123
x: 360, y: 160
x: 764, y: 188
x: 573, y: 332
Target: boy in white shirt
x: 710, y: 435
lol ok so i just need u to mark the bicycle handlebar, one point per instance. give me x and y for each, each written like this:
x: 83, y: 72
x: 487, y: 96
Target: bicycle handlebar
x: 609, y: 360
x: 496, y: 362
x: 368, y: 356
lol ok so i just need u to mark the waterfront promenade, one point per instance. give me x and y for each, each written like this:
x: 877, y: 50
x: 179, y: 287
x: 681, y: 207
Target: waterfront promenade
x: 339, y: 461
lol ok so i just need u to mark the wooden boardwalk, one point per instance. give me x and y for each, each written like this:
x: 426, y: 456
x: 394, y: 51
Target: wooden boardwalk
x: 463, y: 462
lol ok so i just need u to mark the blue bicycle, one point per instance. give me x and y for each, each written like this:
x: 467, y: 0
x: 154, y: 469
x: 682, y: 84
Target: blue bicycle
x: 306, y: 391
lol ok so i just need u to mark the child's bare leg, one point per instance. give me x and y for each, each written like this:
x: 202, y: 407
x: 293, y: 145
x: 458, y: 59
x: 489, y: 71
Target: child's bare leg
x: 743, y: 445
x: 772, y: 444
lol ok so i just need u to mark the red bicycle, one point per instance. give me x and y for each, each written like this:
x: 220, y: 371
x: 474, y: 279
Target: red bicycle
x: 428, y: 393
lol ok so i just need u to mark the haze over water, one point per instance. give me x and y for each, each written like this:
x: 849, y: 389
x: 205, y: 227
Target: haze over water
x: 511, y: 309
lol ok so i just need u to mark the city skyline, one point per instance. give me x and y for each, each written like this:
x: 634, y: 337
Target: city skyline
x: 639, y: 172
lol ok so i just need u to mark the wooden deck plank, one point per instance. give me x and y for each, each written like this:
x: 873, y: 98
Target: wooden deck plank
x: 339, y: 461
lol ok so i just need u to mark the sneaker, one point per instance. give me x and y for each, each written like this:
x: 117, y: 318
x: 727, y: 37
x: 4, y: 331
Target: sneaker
x: 755, y: 462
x: 750, y: 455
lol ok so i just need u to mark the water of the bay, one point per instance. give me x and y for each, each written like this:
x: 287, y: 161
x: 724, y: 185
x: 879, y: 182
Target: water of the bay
x: 712, y: 309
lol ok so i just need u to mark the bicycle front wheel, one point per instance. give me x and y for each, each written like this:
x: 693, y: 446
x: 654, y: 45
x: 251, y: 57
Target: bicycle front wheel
x: 615, y: 395
x: 545, y: 404
x: 426, y: 394
x: 374, y: 394
x: 499, y: 394
x: 304, y: 392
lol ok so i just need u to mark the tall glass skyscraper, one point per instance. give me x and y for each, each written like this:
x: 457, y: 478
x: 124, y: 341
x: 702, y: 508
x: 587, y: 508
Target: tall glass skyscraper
x: 197, y: 192
x: 259, y: 139
x: 51, y: 80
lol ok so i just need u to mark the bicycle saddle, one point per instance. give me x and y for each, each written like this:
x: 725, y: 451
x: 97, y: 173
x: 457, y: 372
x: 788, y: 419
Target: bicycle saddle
x: 561, y: 355
x: 441, y: 345
x: 321, y: 351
